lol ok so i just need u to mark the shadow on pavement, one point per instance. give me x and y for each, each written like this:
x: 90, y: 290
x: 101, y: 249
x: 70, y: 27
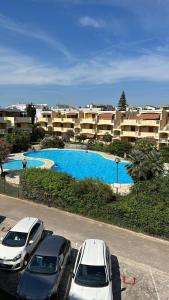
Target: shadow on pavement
x: 2, y: 218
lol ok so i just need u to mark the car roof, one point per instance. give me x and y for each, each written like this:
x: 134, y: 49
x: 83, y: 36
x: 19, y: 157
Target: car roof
x: 93, y: 252
x: 51, y: 245
x: 24, y: 224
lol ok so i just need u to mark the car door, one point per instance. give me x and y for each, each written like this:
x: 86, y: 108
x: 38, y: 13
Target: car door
x: 34, y: 237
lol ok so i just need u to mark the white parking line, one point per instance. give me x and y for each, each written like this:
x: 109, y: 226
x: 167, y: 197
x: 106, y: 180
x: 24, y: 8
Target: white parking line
x: 158, y: 297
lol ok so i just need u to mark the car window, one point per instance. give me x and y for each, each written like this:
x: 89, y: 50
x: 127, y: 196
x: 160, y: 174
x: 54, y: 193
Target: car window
x: 15, y: 239
x: 108, y: 261
x: 43, y: 264
x: 33, y: 231
x: 78, y: 259
x: 91, y: 276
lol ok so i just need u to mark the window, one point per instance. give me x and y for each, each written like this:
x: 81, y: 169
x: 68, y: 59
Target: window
x: 91, y: 276
x: 33, y: 231
x: 43, y: 264
x: 15, y: 239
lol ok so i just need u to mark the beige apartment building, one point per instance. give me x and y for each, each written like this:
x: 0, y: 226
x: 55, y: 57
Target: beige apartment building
x: 94, y: 123
x: 10, y: 118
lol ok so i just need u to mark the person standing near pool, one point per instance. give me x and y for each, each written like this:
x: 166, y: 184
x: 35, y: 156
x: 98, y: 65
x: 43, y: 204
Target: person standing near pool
x: 24, y: 163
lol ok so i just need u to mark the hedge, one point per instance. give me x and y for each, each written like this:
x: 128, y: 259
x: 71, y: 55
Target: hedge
x: 145, y: 209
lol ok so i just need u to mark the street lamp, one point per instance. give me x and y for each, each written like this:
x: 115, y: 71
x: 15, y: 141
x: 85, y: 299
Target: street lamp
x: 117, y: 160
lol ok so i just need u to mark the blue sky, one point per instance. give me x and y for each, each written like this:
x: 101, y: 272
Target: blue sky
x: 83, y: 51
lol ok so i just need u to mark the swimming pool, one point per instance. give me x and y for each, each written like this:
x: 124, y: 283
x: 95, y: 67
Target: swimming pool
x: 17, y: 164
x: 82, y: 164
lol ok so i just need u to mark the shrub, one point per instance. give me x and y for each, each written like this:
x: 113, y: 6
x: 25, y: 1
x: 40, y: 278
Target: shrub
x: 19, y: 140
x: 37, y: 134
x: 145, y: 209
x: 97, y: 147
x: 4, y: 152
x: 87, y: 196
x: 52, y: 142
x: 165, y: 154
x: 119, y: 148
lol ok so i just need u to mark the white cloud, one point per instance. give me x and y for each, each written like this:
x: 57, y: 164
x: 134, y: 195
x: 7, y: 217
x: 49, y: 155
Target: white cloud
x: 91, y: 22
x: 24, y: 30
x: 18, y: 69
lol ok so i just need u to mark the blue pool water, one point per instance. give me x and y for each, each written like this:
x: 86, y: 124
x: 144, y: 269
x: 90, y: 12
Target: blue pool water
x: 82, y: 164
x: 17, y: 164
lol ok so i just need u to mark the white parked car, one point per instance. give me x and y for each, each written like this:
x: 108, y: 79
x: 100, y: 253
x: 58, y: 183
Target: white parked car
x: 19, y: 242
x: 92, y: 275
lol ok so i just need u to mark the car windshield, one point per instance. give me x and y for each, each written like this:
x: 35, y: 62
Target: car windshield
x: 15, y: 239
x: 92, y: 276
x: 43, y: 264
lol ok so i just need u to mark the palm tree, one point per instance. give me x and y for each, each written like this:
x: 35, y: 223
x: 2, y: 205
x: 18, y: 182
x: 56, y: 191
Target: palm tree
x: 144, y: 166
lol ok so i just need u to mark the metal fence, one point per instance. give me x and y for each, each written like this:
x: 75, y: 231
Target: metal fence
x: 10, y: 189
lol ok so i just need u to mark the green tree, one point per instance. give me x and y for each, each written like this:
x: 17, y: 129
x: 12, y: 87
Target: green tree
x: 37, y: 133
x: 31, y: 112
x: 146, y: 162
x: 165, y: 154
x: 119, y: 148
x: 81, y: 138
x: 107, y: 138
x: 4, y: 152
x: 52, y: 142
x: 19, y: 140
x: 68, y: 135
x: 122, y: 102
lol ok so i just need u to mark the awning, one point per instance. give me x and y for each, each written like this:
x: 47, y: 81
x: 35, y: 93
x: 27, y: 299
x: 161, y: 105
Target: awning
x: 149, y: 117
x: 106, y: 116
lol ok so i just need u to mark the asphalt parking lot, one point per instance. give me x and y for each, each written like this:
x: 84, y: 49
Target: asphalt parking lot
x: 131, y: 281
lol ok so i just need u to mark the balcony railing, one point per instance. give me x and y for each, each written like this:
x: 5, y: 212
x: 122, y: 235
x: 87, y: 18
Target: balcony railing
x: 86, y: 130
x: 148, y: 134
x: 22, y: 120
x: 148, y: 122
x: 129, y: 133
x: 106, y: 122
x: 88, y: 121
x: 129, y: 122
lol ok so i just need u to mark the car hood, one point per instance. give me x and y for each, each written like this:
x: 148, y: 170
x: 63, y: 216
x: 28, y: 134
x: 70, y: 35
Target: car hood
x: 78, y: 292
x: 9, y: 252
x: 34, y: 285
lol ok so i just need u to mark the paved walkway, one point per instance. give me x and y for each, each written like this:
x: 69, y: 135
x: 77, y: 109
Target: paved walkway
x: 134, y: 248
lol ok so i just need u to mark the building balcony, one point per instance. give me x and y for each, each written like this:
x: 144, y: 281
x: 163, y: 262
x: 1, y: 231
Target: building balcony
x: 88, y: 131
x: 163, y: 140
x: 102, y: 132
x: 154, y: 135
x: 87, y: 121
x: 130, y: 122
x: 63, y: 120
x: 22, y: 120
x: 129, y: 133
x: 148, y: 123
x: 43, y: 120
x: 63, y: 129
x: 105, y: 122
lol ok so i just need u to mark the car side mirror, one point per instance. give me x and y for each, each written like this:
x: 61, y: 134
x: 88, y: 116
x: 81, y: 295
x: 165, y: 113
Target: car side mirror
x: 73, y: 275
x: 30, y: 242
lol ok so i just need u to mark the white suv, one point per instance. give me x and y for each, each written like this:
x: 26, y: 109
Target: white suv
x: 92, y: 276
x: 19, y: 242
